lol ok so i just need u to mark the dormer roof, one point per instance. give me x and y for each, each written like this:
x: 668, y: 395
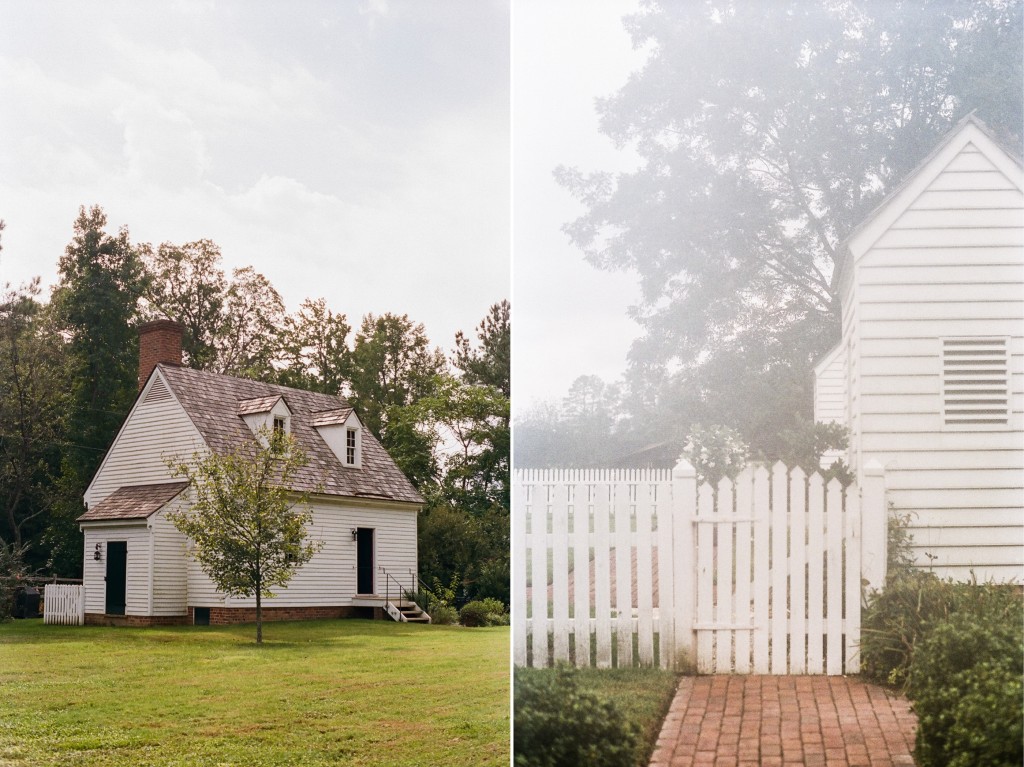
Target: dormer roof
x: 258, y: 404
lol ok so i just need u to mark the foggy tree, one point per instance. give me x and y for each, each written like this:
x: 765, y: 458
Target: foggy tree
x: 767, y: 132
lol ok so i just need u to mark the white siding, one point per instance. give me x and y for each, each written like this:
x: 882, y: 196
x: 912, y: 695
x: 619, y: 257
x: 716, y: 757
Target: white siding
x: 170, y: 562
x: 329, y: 579
x: 157, y: 428
x: 94, y: 573
x: 950, y: 265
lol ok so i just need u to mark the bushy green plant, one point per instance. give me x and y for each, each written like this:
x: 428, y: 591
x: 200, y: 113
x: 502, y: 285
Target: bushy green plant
x: 443, y: 615
x: 966, y: 684
x: 487, y: 612
x: 898, y: 618
x: 558, y: 724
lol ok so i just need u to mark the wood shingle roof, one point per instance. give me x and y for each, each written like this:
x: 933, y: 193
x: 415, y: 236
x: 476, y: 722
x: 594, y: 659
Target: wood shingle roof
x: 212, y: 401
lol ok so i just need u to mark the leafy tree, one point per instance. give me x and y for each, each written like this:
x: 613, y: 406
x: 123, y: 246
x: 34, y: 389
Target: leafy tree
x: 490, y: 362
x: 249, y: 337
x: 392, y: 367
x: 32, y: 405
x: 248, y: 530
x: 316, y: 354
x: 187, y: 284
x: 767, y: 132
x: 95, y: 307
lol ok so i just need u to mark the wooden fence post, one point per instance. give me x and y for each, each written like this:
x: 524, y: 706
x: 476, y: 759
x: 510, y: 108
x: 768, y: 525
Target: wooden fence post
x: 684, y: 511
x: 520, y: 498
x: 874, y: 519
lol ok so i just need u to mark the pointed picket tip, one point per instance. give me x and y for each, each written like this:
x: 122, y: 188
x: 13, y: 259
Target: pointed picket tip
x: 724, y: 485
x: 835, y: 485
x: 761, y: 471
x: 779, y: 468
x: 684, y: 470
x: 798, y: 474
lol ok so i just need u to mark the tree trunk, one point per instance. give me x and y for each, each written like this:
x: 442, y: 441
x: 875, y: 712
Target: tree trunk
x: 259, y: 617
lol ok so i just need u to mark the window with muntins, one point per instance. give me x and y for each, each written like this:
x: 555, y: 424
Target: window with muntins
x: 350, y: 447
x: 279, y: 424
x: 975, y: 382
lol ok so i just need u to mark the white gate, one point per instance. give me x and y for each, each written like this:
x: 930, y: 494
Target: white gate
x: 625, y: 567
x: 63, y: 603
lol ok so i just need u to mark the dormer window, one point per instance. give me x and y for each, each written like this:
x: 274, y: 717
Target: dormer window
x: 265, y: 415
x: 343, y: 433
x: 350, y: 447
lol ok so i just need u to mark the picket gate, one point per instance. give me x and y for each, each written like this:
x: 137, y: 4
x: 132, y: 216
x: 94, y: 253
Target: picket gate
x: 64, y: 604
x: 762, y: 574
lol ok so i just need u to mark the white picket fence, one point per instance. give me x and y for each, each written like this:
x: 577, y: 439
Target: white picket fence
x: 64, y: 604
x: 642, y: 567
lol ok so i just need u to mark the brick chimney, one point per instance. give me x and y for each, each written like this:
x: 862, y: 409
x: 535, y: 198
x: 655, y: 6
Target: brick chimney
x: 159, y: 341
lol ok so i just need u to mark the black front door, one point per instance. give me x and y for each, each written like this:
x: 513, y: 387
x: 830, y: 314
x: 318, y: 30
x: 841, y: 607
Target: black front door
x: 364, y: 560
x: 117, y: 576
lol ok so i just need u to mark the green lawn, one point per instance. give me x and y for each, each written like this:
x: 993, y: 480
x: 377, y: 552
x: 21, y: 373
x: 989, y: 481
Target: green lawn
x: 353, y: 692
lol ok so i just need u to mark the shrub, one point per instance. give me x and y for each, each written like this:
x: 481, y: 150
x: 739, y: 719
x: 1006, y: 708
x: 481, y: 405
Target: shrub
x: 443, y: 615
x: 473, y: 614
x: 967, y: 689
x: 898, y: 619
x: 558, y: 724
x: 489, y: 612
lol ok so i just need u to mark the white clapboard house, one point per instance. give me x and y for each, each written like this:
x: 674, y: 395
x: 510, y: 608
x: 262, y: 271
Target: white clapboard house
x: 137, y: 570
x: 928, y: 376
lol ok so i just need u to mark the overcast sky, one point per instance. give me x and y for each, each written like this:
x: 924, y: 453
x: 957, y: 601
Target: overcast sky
x: 357, y: 150
x: 354, y: 150
x: 570, y: 319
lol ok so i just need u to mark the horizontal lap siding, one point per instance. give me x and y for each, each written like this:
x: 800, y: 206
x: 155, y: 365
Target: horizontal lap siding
x: 157, y: 429
x: 170, y: 563
x: 952, y: 265
x: 330, y: 577
x: 94, y: 573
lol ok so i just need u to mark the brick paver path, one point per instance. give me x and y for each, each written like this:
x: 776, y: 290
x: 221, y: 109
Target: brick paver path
x: 785, y: 720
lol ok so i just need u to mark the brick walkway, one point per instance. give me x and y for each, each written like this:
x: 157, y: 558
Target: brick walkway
x: 785, y: 720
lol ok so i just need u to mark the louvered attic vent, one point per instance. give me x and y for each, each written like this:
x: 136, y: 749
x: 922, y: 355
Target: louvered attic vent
x: 157, y: 393
x: 975, y: 381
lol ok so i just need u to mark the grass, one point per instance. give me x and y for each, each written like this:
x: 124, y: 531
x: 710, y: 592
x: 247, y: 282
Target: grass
x: 643, y: 695
x: 356, y: 692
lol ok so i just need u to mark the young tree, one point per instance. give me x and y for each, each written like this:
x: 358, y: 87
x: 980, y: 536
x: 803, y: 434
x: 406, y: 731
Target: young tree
x: 248, y: 530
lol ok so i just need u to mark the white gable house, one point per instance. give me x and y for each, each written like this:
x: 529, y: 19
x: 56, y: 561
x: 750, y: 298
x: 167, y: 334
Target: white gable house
x: 929, y: 375
x: 137, y: 570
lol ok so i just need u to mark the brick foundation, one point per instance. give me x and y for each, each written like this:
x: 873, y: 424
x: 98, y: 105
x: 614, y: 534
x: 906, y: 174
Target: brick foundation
x: 99, y: 619
x: 225, y: 616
